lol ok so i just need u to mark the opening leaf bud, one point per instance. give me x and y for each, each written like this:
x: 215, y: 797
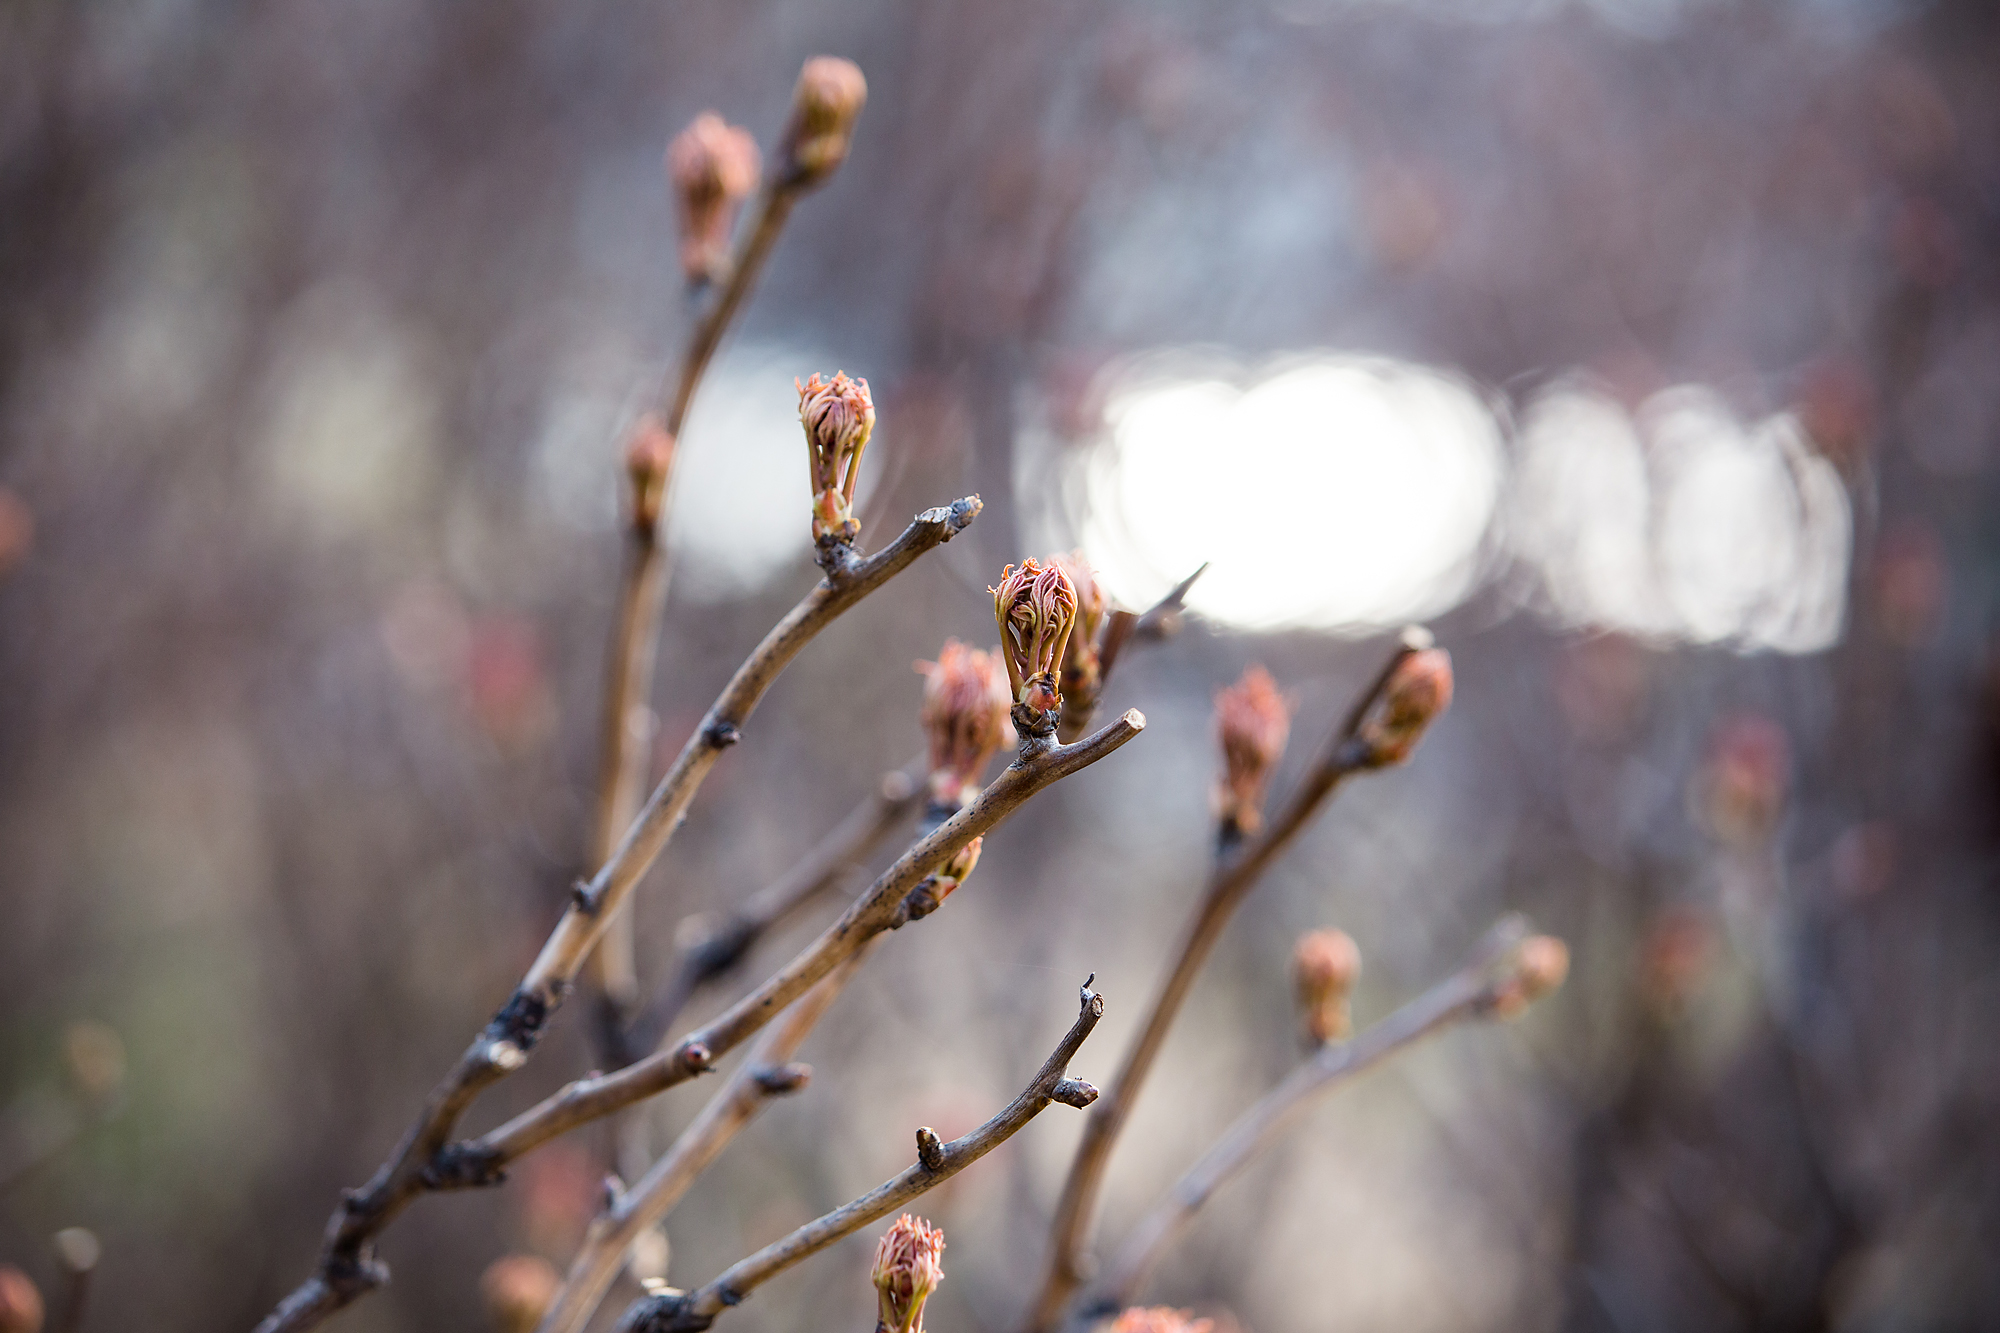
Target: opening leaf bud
x: 839, y: 416
x: 712, y: 166
x: 956, y: 869
x: 964, y: 716
x: 1082, y: 674
x: 908, y: 1268
x: 1159, y: 1319
x: 1325, y: 966
x: 649, y: 461
x: 20, y: 1302
x: 1035, y: 606
x: 1252, y: 720
x: 518, y: 1291
x: 1536, y: 969
x: 825, y: 105
x: 1417, y: 691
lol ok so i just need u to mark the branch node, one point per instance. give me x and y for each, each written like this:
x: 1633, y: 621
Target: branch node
x: 930, y: 1150
x: 777, y: 1080
x: 463, y: 1166
x: 695, y: 1057
x: 1073, y: 1092
x: 518, y: 1026
x: 582, y: 898
x: 721, y: 734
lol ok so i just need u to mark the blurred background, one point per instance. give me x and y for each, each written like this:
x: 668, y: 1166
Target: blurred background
x: 1649, y: 350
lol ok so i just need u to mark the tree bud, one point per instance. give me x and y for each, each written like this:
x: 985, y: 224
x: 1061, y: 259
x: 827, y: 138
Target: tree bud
x: 713, y: 166
x: 518, y: 1291
x: 1325, y: 966
x: 1536, y: 970
x: 964, y: 717
x: 825, y: 105
x: 908, y: 1268
x: 1035, y: 606
x: 649, y: 461
x: 1159, y: 1319
x: 1252, y: 720
x: 1417, y: 692
x: 839, y: 416
x: 20, y: 1302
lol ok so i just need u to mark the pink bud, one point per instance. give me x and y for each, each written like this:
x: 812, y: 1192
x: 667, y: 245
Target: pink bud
x: 518, y: 1291
x: 713, y: 166
x: 825, y: 105
x: 1417, y: 692
x: 1035, y: 606
x: 839, y: 416
x: 1325, y: 966
x: 964, y: 717
x: 1538, y: 967
x: 1159, y: 1319
x: 1252, y: 720
x: 649, y: 460
x: 908, y: 1268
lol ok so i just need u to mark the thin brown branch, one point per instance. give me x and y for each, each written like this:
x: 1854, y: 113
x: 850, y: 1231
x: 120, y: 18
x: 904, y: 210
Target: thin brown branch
x: 347, y: 1267
x: 687, y: 1312
x: 766, y: 1074
x: 715, y: 949
x: 885, y: 905
x: 1237, y: 870
x: 1156, y: 625
x: 1468, y: 993
x: 774, y: 205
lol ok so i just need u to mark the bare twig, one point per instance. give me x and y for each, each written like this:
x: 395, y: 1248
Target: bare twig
x: 715, y: 949
x: 1237, y: 870
x: 77, y: 1253
x: 1468, y: 993
x: 774, y: 205
x: 1120, y: 627
x: 885, y: 905
x: 767, y: 1073
x: 348, y: 1267
x: 687, y: 1312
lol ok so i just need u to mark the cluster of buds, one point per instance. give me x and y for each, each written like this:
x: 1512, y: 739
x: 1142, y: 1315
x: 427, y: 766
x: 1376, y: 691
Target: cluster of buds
x: 1537, y: 967
x: 1252, y: 720
x: 965, y: 719
x: 1417, y: 691
x: 1159, y: 1319
x: 908, y: 1267
x: 1082, y: 673
x: 712, y: 166
x: 1035, y: 606
x: 1325, y: 966
x: 839, y: 416
x: 649, y: 461
x: 518, y: 1291
x: 825, y: 105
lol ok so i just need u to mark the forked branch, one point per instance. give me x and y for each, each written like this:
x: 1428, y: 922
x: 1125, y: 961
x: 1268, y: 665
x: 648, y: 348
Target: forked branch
x: 937, y: 1162
x: 1471, y: 992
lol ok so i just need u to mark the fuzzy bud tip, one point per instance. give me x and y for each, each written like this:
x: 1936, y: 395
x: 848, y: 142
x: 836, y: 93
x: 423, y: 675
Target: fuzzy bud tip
x: 712, y: 167
x: 964, y: 716
x: 1252, y: 721
x: 1417, y: 691
x: 825, y: 105
x: 1325, y: 966
x: 839, y: 416
x: 908, y: 1268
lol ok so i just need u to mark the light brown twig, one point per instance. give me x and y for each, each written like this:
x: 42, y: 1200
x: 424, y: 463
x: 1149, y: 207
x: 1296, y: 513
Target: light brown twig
x: 1237, y: 871
x: 1467, y: 993
x: 688, y: 1312
x: 885, y: 905
x: 348, y: 1267
x: 1156, y: 625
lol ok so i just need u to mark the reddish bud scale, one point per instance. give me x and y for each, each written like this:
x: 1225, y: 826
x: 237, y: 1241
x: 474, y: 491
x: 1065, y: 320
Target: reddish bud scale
x: 712, y: 166
x: 1415, y: 695
x: 838, y: 416
x: 1035, y: 606
x: 964, y: 717
x: 1325, y: 966
x: 1252, y: 722
x: 825, y: 105
x: 908, y: 1268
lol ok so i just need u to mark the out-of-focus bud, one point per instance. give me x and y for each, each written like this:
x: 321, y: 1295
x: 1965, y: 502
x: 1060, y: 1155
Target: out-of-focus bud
x: 518, y: 1291
x: 825, y: 105
x: 1673, y: 959
x: 965, y: 719
x: 1159, y: 1319
x: 17, y: 530
x: 1744, y: 781
x: 713, y: 166
x: 20, y: 1303
x: 839, y: 416
x: 1035, y: 606
x: 1537, y: 968
x: 94, y: 1057
x: 1325, y: 966
x: 649, y: 461
x: 1252, y: 720
x: 1417, y: 692
x: 1082, y: 674
x: 908, y: 1268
